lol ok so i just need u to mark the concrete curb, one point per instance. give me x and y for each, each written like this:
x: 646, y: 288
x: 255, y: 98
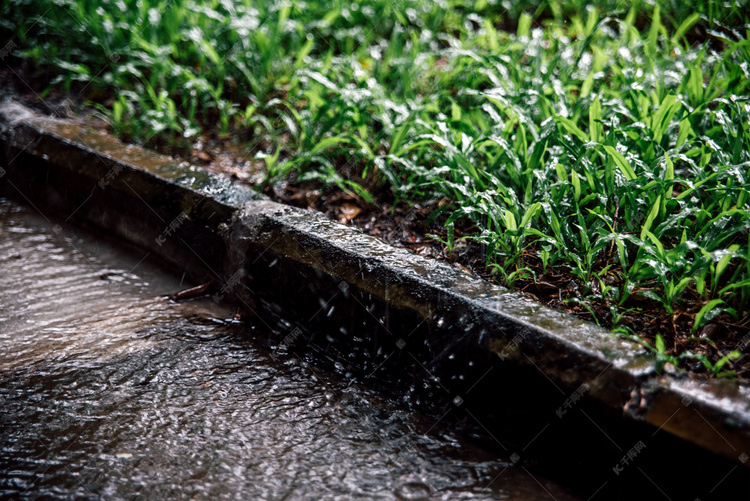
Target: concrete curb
x: 273, y: 258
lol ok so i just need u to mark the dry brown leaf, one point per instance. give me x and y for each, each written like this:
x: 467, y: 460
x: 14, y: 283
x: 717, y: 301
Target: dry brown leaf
x: 347, y: 212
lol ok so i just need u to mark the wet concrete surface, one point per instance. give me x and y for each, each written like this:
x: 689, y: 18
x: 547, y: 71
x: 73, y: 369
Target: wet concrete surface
x: 110, y: 390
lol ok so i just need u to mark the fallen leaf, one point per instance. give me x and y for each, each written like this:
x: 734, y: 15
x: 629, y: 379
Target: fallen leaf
x: 204, y: 156
x: 242, y: 175
x: 347, y: 212
x: 463, y: 268
x: 311, y: 197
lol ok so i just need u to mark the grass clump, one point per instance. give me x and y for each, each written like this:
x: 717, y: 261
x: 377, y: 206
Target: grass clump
x: 594, y: 143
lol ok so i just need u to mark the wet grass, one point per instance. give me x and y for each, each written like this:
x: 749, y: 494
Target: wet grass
x: 604, y: 141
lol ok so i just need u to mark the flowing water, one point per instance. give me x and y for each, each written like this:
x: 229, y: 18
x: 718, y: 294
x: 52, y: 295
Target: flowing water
x: 110, y: 390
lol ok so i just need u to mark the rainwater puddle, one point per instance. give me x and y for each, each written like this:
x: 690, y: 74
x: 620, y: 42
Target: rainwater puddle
x: 108, y: 390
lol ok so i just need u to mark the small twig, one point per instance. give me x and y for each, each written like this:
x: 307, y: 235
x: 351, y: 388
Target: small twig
x: 192, y: 292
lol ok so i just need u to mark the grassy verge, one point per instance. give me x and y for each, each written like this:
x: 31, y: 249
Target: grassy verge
x: 605, y: 142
